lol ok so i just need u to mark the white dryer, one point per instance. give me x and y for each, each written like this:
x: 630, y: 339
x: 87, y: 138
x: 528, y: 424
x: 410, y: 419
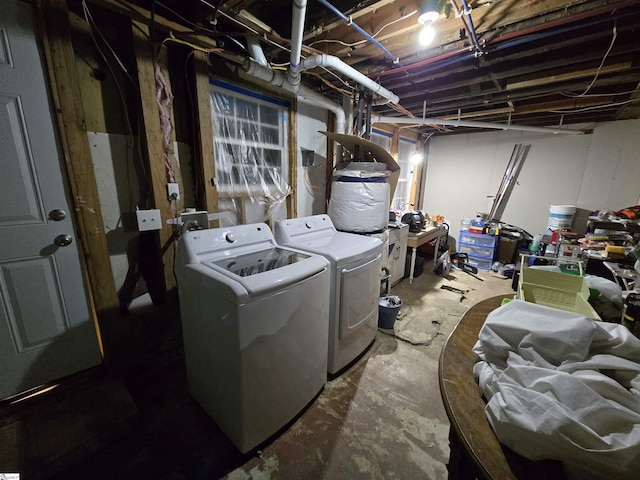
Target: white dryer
x: 255, y: 328
x: 356, y: 261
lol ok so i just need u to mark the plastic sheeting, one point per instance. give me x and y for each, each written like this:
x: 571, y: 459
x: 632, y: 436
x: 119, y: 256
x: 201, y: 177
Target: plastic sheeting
x: 249, y: 153
x: 564, y: 387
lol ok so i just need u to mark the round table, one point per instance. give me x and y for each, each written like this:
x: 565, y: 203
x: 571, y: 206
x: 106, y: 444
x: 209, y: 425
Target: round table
x: 475, y: 450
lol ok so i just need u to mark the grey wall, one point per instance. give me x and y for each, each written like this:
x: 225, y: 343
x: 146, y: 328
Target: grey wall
x: 597, y: 171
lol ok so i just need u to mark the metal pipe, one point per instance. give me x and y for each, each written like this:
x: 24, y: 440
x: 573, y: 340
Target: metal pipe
x: 472, y: 29
x: 395, y: 59
x: 329, y: 61
x: 472, y: 124
x: 367, y: 130
x: 458, y: 13
x: 508, y: 40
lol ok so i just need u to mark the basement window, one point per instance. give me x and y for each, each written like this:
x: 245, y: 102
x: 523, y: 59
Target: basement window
x: 250, y: 143
x: 402, y: 195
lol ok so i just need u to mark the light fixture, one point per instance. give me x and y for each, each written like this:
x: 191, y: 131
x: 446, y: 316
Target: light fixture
x: 415, y: 158
x: 428, y: 13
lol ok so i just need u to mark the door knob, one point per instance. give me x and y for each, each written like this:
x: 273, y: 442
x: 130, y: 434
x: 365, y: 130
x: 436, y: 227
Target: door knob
x: 57, y: 215
x: 63, y: 240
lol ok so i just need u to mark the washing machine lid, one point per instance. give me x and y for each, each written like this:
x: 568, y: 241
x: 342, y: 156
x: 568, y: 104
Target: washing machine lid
x: 249, y: 256
x: 254, y: 263
x: 316, y: 234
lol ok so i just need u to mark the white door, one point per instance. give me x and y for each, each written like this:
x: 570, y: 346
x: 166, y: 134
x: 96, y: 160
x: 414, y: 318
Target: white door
x: 46, y: 329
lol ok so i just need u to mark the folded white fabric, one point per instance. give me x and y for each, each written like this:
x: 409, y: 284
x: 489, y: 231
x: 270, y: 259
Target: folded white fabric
x: 564, y: 387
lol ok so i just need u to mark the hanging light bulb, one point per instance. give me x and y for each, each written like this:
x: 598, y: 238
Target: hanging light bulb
x: 415, y: 158
x: 428, y: 13
x: 427, y: 34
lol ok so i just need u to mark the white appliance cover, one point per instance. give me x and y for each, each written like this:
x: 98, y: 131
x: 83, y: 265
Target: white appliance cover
x: 361, y: 205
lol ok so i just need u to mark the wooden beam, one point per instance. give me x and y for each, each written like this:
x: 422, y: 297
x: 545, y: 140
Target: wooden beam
x: 142, y: 15
x: 207, y: 163
x: 355, y: 15
x: 618, y: 67
x: 292, y: 200
x: 65, y: 92
x: 152, y: 134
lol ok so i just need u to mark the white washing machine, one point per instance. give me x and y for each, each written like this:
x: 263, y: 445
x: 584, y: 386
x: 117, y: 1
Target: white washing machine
x: 356, y: 261
x: 255, y: 322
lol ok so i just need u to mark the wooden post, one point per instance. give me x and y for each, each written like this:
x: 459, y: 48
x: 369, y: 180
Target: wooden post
x: 331, y: 151
x: 207, y: 163
x: 53, y: 18
x: 154, y: 147
x: 292, y: 200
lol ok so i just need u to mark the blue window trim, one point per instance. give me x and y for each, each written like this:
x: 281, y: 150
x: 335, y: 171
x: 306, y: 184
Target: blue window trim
x: 249, y: 93
x: 382, y: 133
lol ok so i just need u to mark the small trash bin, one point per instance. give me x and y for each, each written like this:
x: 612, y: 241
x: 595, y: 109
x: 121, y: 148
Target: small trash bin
x: 388, y: 308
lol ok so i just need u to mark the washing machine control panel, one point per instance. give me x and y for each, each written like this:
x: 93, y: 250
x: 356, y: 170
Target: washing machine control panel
x: 295, y: 227
x: 219, y: 239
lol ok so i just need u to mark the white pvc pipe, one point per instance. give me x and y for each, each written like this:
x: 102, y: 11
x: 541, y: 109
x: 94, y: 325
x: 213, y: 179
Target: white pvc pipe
x: 256, y: 52
x: 473, y: 124
x: 304, y: 95
x: 297, y: 32
x: 329, y: 61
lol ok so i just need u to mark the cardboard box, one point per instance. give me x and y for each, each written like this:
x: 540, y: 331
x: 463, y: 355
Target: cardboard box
x: 366, y: 148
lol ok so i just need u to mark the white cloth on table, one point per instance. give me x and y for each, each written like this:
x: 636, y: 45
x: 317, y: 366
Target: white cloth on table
x: 564, y: 387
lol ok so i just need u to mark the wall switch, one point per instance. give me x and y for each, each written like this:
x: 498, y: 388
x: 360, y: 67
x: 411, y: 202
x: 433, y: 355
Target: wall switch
x: 149, y: 220
x: 173, y: 191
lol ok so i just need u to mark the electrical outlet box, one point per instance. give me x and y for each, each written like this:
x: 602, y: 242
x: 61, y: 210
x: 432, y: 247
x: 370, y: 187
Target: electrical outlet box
x: 200, y: 218
x: 307, y: 157
x: 173, y: 191
x: 149, y: 220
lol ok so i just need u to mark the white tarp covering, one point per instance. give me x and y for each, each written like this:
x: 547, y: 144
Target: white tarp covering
x: 561, y: 386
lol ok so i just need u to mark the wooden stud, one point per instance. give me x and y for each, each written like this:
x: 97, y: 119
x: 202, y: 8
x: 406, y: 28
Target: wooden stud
x: 65, y: 92
x: 153, y: 143
x: 292, y: 200
x: 207, y: 160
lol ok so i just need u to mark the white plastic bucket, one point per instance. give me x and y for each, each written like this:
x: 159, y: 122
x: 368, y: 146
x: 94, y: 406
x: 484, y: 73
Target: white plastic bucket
x: 561, y: 216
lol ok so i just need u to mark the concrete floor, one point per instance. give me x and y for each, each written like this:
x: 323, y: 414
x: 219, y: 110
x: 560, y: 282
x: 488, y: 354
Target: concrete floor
x: 381, y: 419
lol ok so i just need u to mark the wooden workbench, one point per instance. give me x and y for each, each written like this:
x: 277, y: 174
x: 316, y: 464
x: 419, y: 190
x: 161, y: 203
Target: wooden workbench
x: 475, y: 450
x: 415, y: 240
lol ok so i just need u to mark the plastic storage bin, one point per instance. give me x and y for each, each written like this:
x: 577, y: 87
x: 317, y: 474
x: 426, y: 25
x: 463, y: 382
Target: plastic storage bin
x: 479, y: 247
x: 481, y: 239
x: 478, y: 251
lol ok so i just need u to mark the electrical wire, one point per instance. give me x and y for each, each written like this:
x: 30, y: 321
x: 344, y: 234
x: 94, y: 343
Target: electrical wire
x: 591, y: 95
x: 360, y: 42
x: 127, y: 121
x: 613, y: 40
x: 596, y: 107
x: 199, y: 27
x: 92, y: 24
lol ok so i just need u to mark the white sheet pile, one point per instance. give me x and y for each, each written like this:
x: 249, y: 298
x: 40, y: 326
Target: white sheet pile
x: 561, y: 386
